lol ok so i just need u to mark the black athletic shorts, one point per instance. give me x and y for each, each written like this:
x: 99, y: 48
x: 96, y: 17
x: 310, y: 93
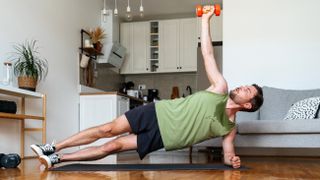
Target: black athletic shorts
x: 144, y: 123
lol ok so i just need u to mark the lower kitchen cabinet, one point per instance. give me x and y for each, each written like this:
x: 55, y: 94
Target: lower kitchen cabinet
x: 99, y: 108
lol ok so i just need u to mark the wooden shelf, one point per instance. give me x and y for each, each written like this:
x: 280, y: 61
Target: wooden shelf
x: 91, y: 51
x: 14, y: 91
x: 23, y: 94
x: 20, y: 116
x: 32, y: 129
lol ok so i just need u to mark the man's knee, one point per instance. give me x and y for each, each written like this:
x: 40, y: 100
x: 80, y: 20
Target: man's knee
x: 105, y: 130
x: 111, y: 146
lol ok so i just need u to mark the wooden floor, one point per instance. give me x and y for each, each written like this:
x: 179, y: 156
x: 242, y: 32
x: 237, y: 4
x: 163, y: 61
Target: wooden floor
x: 261, y: 168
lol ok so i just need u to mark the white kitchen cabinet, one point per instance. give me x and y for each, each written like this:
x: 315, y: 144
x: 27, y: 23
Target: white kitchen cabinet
x: 178, y: 45
x: 171, y: 49
x: 134, y: 36
x: 126, y: 39
x: 169, y: 46
x: 215, y: 27
x: 97, y: 109
x: 188, y: 45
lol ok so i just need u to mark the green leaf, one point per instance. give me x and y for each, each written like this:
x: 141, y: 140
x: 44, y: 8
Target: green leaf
x: 27, y: 61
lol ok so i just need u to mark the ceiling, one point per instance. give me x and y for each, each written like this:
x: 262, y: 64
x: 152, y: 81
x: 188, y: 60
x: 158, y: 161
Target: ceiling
x: 159, y: 9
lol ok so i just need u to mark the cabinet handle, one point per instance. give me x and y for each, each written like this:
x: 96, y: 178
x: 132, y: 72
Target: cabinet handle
x: 180, y: 67
x: 147, y: 69
x: 177, y: 67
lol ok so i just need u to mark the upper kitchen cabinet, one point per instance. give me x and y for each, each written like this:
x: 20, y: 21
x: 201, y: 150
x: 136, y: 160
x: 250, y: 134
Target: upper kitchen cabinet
x: 178, y: 45
x: 169, y: 46
x: 188, y: 45
x: 126, y: 41
x: 215, y: 27
x: 159, y: 46
x: 134, y: 37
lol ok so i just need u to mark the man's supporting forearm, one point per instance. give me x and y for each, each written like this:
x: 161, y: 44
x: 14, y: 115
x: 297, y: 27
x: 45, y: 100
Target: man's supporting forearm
x: 228, y: 152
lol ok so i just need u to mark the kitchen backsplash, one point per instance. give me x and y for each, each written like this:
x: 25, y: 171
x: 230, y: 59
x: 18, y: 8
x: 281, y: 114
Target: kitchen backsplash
x: 108, y: 79
x: 165, y: 82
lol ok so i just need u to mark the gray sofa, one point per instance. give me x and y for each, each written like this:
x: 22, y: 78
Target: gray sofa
x: 267, y: 129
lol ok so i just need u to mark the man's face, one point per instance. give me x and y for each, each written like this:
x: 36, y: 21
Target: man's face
x: 243, y: 94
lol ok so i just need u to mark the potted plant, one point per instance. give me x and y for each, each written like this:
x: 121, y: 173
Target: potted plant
x: 29, y: 67
x: 97, y: 35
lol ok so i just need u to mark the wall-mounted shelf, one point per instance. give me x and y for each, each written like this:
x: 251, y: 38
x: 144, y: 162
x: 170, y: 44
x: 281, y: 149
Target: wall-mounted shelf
x: 90, y: 51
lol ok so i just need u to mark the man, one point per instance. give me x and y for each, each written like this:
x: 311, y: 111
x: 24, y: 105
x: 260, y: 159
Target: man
x: 172, y: 124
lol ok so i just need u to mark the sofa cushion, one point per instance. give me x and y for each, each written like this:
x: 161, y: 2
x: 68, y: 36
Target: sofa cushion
x: 279, y: 126
x: 304, y: 109
x: 247, y: 115
x: 277, y: 102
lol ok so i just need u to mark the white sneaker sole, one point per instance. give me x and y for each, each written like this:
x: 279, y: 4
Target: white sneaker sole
x: 36, y: 150
x: 45, y: 161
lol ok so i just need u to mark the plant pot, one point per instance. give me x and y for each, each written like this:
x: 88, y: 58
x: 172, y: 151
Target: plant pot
x: 98, y: 46
x: 27, y: 82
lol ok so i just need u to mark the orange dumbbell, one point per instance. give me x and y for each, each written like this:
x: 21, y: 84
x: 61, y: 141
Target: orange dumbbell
x: 200, y: 11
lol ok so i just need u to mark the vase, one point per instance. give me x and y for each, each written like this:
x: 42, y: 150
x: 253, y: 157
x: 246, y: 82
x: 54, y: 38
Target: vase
x: 98, y: 46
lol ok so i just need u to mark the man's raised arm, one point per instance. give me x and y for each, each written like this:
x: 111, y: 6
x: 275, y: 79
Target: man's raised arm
x: 216, y: 79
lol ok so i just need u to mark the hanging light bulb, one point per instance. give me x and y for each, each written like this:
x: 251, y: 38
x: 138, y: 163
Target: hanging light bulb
x: 115, y: 12
x: 141, y: 9
x: 104, y: 11
x: 129, y: 15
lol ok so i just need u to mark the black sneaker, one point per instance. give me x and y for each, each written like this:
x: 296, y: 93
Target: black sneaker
x: 43, y: 149
x: 50, y: 160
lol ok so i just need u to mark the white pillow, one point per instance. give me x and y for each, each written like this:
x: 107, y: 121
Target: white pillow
x: 304, y: 109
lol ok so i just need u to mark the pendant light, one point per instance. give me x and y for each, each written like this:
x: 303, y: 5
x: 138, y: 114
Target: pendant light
x: 104, y: 11
x: 115, y: 11
x: 141, y: 9
x: 129, y: 15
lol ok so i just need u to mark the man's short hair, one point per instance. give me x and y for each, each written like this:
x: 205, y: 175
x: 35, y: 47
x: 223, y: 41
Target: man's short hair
x: 256, y: 101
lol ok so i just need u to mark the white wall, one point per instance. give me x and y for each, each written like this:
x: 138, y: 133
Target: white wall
x: 56, y: 25
x: 273, y: 43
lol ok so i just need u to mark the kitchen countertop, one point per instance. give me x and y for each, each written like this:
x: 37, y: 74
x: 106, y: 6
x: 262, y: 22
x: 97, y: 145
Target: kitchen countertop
x: 112, y: 93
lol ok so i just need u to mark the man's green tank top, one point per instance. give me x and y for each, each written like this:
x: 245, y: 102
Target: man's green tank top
x: 198, y: 117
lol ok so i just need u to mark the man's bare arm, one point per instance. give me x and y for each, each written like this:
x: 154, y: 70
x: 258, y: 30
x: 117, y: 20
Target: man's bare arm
x: 228, y: 150
x: 215, y: 77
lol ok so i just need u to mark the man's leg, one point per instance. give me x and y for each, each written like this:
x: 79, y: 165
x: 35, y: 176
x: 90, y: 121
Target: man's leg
x: 119, y: 126
x: 124, y: 143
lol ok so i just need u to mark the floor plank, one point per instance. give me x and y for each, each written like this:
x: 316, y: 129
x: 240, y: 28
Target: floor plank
x: 261, y: 168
